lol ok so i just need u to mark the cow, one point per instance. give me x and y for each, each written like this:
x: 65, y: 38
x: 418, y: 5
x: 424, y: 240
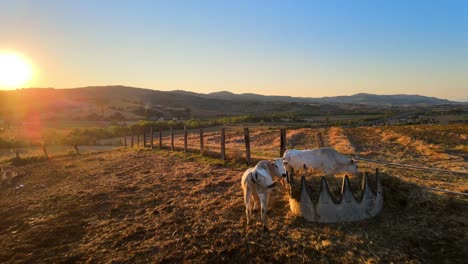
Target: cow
x: 327, y: 160
x: 257, y: 183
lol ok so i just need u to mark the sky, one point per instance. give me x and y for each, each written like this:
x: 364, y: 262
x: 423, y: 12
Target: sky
x: 297, y: 48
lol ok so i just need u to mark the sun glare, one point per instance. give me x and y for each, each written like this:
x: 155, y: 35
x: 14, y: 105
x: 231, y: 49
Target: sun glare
x: 15, y: 70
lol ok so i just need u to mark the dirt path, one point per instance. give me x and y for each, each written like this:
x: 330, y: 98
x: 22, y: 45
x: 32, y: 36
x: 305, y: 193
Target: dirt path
x: 151, y: 206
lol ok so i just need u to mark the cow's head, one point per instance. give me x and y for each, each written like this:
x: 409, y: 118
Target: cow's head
x: 278, y: 167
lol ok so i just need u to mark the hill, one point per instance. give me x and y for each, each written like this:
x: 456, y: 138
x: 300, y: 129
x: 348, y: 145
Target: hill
x: 124, y: 103
x: 361, y: 98
x: 397, y: 99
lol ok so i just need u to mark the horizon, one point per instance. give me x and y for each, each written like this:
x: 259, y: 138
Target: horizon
x: 220, y: 91
x: 299, y: 49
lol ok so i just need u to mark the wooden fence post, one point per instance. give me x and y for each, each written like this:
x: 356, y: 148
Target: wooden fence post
x: 201, y: 141
x: 138, y: 140
x: 45, y: 151
x: 131, y: 141
x: 185, y: 139
x: 247, y: 144
x: 125, y: 141
x: 151, y: 137
x: 172, y: 139
x: 76, y: 149
x: 17, y: 154
x: 223, y: 143
x: 282, y: 141
x: 160, y: 138
x: 319, y: 139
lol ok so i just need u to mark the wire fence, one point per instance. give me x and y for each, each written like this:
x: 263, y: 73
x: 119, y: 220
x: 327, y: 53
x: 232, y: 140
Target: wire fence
x: 51, y: 151
x: 411, y: 166
x: 234, y: 143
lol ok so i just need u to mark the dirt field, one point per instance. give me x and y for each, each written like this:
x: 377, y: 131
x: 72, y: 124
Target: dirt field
x: 140, y: 206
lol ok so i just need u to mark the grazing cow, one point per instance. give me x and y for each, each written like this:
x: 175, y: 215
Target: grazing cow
x: 257, y: 184
x: 327, y: 160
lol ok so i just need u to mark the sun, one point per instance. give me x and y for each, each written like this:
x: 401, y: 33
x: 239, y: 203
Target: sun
x: 15, y: 70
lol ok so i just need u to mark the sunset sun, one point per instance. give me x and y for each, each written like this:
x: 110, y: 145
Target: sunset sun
x: 15, y: 70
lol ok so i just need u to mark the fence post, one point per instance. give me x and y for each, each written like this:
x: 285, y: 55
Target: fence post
x: 17, y: 154
x: 247, y: 144
x: 125, y: 141
x: 131, y: 141
x: 319, y: 139
x: 223, y: 143
x: 201, y: 141
x: 138, y: 140
x: 144, y: 138
x: 172, y: 139
x: 282, y: 141
x: 185, y: 139
x: 45, y: 151
x: 151, y: 137
x: 76, y: 149
x: 160, y: 138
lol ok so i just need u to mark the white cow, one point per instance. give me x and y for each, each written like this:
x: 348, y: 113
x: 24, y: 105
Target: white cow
x: 327, y: 160
x: 258, y: 183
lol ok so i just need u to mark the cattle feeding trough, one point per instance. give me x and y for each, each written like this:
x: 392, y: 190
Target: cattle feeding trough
x: 330, y: 209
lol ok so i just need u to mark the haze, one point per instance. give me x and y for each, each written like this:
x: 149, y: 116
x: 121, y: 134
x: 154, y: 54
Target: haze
x: 297, y: 48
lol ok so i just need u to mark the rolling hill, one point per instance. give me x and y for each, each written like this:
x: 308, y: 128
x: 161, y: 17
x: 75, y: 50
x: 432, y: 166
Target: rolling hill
x: 134, y: 103
x: 360, y: 98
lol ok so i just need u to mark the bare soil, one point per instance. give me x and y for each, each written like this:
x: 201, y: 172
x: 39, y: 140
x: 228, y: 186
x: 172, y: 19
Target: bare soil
x: 139, y: 206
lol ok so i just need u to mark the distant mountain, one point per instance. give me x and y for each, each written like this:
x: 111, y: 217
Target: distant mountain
x: 255, y: 97
x: 136, y: 103
x: 397, y: 99
x: 361, y: 98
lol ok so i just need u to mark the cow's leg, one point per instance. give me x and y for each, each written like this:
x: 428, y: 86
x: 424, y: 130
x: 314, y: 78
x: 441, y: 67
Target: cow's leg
x: 263, y: 201
x: 255, y: 199
x: 268, y: 202
x: 248, y: 204
x: 290, y: 175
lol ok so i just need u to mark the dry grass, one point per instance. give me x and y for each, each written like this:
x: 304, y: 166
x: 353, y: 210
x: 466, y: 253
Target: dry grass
x: 338, y: 140
x: 385, y: 145
x: 421, y: 147
x: 155, y: 206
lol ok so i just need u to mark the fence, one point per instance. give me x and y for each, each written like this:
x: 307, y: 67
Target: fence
x: 153, y: 139
x: 168, y: 139
x: 48, y: 151
x: 247, y: 148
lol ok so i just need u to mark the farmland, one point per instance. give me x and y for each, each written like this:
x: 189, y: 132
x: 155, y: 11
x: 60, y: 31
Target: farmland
x: 141, y: 205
